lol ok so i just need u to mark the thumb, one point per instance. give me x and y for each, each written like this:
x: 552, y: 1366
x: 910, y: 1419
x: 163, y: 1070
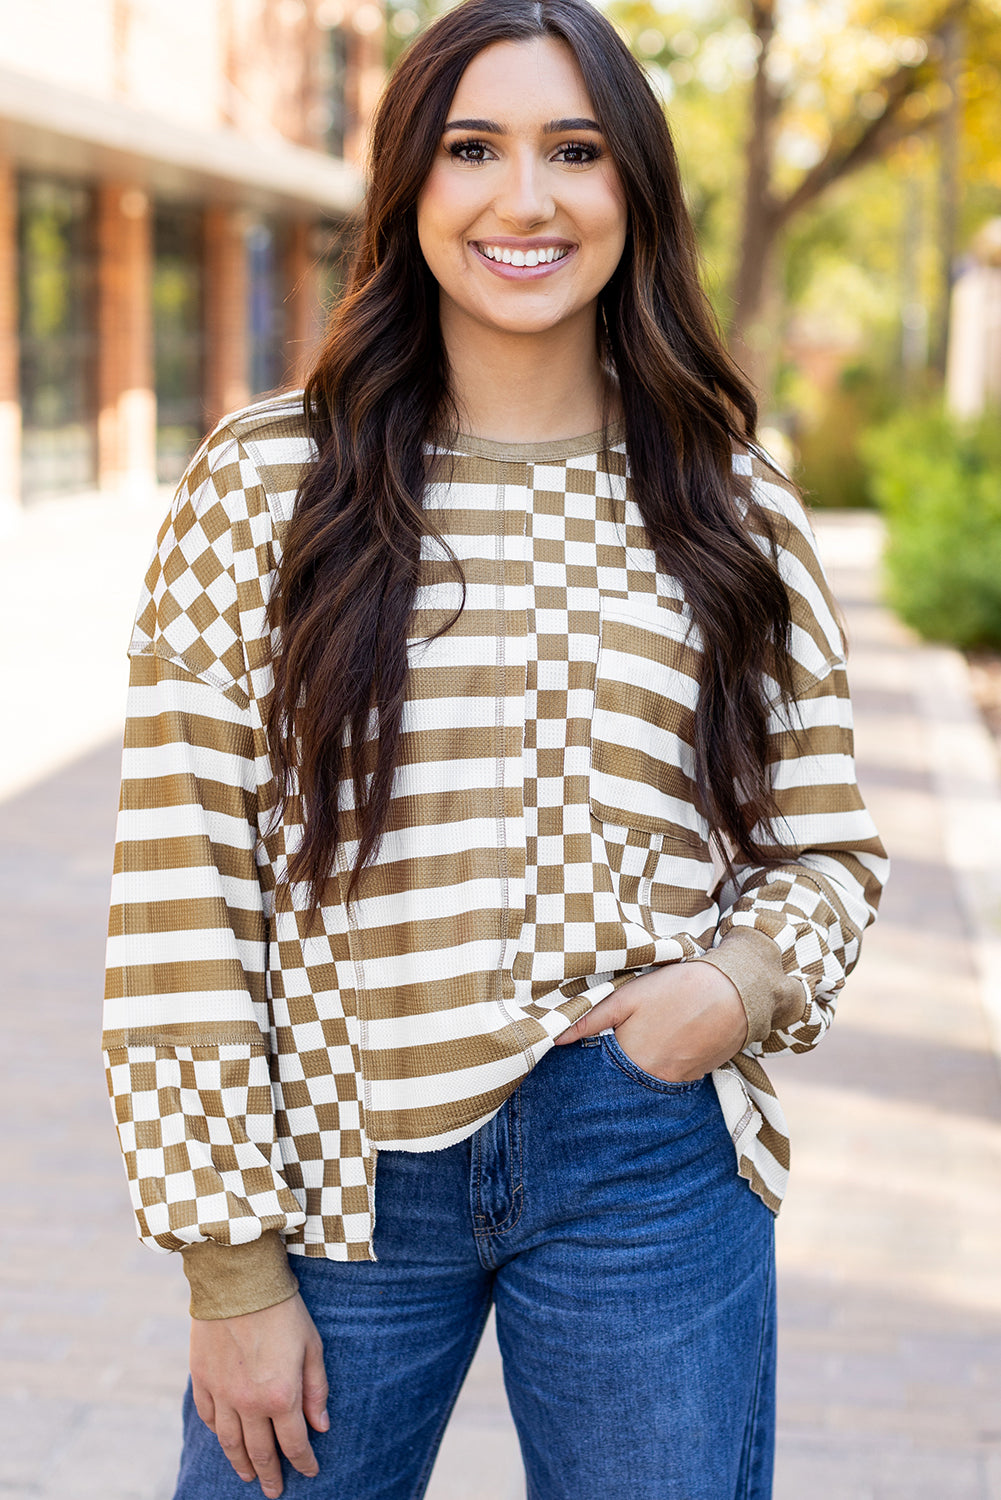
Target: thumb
x: 315, y: 1388
x: 607, y: 1012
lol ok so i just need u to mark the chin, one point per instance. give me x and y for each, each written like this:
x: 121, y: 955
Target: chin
x: 542, y: 323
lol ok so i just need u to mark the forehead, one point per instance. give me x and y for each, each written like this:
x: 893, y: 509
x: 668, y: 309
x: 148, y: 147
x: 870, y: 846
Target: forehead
x: 525, y: 81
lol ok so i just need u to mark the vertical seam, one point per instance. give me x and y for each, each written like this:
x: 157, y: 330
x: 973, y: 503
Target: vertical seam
x: 500, y: 659
x: 516, y: 1187
x: 645, y: 893
x: 749, y: 1441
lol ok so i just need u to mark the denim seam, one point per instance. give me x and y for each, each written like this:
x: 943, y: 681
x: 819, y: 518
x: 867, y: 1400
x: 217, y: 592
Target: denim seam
x: 477, y: 1202
x: 483, y: 1235
x: 752, y: 1416
x: 651, y: 1083
x: 517, y: 1174
x: 514, y: 1214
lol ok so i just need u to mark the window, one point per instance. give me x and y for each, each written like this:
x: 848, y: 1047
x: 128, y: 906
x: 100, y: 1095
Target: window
x: 266, y: 305
x: 178, y: 336
x: 334, y: 115
x: 57, y: 326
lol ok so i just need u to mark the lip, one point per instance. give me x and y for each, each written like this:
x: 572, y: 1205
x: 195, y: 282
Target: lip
x: 524, y: 273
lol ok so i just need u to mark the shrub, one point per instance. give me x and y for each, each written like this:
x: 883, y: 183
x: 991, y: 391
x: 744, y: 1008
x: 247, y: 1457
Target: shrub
x: 938, y: 484
x: 831, y: 471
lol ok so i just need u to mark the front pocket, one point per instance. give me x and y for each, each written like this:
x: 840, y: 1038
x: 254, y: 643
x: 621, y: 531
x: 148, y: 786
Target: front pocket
x: 642, y: 730
x: 621, y: 1060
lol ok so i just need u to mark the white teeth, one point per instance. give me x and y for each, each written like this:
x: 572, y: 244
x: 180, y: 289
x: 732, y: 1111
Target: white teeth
x: 528, y: 258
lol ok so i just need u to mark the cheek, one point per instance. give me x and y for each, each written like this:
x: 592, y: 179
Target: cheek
x: 445, y: 206
x: 608, y: 226
x: 433, y: 217
x: 615, y: 213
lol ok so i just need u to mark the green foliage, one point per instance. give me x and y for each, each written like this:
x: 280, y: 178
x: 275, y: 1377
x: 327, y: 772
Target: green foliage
x: 939, y: 486
x: 831, y: 471
x: 404, y: 19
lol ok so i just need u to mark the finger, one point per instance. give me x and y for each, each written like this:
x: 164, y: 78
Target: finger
x: 229, y: 1430
x: 314, y: 1388
x: 259, y: 1437
x: 293, y: 1439
x: 204, y: 1405
x: 607, y: 1012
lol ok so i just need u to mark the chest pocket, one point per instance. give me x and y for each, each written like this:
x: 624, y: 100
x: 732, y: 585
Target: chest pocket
x: 642, y: 731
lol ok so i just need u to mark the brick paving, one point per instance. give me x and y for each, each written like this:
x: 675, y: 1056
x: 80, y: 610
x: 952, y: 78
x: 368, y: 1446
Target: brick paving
x: 890, y: 1245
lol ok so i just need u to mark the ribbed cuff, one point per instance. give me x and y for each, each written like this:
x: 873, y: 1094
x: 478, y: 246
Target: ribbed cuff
x: 753, y: 963
x: 228, y: 1280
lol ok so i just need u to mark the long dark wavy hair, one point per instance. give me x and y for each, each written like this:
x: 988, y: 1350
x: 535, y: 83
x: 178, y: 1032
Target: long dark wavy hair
x: 379, y: 395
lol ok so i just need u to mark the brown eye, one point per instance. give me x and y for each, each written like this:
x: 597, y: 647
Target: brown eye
x: 578, y: 153
x: 471, y: 151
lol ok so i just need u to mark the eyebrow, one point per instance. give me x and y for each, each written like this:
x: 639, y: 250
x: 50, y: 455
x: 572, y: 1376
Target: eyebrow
x: 552, y: 127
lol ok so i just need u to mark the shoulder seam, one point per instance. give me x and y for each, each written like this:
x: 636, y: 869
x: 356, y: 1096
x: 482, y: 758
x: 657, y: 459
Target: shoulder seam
x: 226, y: 686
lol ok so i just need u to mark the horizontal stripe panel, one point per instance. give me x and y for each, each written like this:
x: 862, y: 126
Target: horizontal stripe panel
x: 178, y: 757
x: 129, y: 1009
x: 144, y: 857
x: 186, y: 918
x: 476, y: 1019
x: 442, y: 1059
x: 466, y: 748
x: 472, y: 966
x: 833, y: 829
x: 461, y: 1084
x: 211, y: 975
x: 471, y: 837
x: 426, y: 994
x: 436, y: 1127
x: 227, y: 1038
x: 417, y: 916
x: 161, y: 687
x: 212, y: 798
x: 831, y: 798
x: 191, y: 883
x: 141, y: 824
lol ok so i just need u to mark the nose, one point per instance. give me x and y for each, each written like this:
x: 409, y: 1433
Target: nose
x: 524, y: 200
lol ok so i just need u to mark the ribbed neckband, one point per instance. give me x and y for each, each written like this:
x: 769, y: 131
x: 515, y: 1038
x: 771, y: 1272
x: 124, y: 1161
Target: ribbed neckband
x: 526, y: 453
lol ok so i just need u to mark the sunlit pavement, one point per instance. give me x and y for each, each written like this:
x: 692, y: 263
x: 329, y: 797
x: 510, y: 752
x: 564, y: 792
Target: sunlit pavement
x: 890, y: 1244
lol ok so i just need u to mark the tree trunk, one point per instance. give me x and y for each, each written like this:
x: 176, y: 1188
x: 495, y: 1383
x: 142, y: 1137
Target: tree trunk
x: 748, y: 340
x: 949, y: 172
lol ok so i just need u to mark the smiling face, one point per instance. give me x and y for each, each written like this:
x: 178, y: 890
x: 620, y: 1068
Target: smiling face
x: 522, y: 219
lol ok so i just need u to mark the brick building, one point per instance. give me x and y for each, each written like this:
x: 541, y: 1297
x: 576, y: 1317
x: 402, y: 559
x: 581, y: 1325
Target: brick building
x: 174, y: 176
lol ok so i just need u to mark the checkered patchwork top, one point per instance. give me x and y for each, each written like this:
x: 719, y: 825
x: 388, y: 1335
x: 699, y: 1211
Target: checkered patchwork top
x: 544, y: 845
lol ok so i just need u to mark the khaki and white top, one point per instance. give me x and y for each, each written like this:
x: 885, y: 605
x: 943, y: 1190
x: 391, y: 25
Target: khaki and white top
x: 544, y: 845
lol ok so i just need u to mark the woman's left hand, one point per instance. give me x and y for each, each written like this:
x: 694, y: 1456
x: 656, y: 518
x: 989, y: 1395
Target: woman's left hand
x: 678, y: 1022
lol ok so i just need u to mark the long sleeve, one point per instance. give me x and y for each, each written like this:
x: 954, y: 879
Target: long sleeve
x: 186, y: 1017
x: 789, y: 935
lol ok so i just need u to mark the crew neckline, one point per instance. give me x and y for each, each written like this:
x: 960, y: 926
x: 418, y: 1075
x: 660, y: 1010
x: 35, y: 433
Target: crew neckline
x: 571, y: 447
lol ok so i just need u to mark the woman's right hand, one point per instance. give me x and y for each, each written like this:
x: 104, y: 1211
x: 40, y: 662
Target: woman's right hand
x: 257, y: 1379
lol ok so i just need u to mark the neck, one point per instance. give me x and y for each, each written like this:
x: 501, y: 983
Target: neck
x: 527, y: 388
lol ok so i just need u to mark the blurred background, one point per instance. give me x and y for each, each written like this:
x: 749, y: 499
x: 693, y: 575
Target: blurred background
x: 175, y: 178
x: 177, y: 181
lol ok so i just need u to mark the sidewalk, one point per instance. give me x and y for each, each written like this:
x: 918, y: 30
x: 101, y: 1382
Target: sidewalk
x: 890, y: 1244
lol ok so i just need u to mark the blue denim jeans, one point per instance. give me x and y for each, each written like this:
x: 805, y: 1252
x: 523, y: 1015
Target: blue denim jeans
x: 632, y: 1275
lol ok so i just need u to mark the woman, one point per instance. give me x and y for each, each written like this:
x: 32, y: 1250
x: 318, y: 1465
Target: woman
x: 495, y: 702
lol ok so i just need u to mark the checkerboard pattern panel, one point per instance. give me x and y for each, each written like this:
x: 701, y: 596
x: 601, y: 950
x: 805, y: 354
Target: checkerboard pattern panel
x: 543, y: 844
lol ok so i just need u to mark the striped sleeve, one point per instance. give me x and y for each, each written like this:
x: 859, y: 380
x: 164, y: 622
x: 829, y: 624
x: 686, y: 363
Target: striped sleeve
x: 789, y: 935
x: 186, y: 1030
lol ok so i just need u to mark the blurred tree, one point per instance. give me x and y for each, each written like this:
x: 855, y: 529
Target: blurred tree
x: 404, y: 19
x: 815, y: 90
